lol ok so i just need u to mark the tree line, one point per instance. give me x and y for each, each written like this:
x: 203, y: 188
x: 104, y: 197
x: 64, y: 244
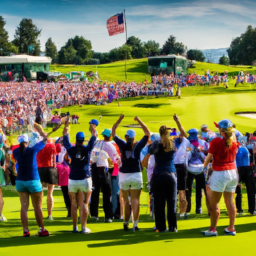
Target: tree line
x: 78, y: 50
x: 242, y: 49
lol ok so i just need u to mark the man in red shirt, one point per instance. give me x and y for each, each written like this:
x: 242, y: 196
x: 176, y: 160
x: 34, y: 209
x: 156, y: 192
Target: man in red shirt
x: 46, y: 160
x: 224, y: 178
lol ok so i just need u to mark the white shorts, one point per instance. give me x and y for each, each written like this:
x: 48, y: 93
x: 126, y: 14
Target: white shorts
x: 224, y: 181
x: 75, y: 186
x: 130, y: 180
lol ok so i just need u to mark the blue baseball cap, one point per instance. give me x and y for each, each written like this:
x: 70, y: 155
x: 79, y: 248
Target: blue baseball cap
x: 106, y: 132
x: 94, y: 121
x: 193, y: 134
x: 131, y: 134
x: 225, y: 123
x: 155, y: 137
x: 80, y: 136
x: 193, y: 131
x: 23, y: 138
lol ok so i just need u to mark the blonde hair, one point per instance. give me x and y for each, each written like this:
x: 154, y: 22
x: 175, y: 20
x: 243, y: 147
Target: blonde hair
x: 166, y: 140
x: 229, y: 135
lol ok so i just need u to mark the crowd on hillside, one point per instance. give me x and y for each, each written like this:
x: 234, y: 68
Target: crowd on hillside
x: 20, y: 101
x: 172, y: 158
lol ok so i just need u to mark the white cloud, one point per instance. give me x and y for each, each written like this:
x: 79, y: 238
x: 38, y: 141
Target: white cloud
x: 198, y: 25
x: 193, y: 9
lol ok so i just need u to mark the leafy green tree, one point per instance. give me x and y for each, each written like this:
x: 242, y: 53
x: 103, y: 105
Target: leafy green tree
x: 234, y: 51
x: 51, y: 50
x: 195, y: 54
x: 151, y: 48
x: 78, y: 45
x: 67, y: 55
x: 224, y: 60
x: 113, y: 55
x: 122, y: 52
x: 27, y: 34
x: 82, y: 46
x: 102, y: 57
x: 242, y: 49
x: 12, y: 48
x: 70, y: 54
x: 6, y: 47
x: 173, y: 47
x: 137, y: 47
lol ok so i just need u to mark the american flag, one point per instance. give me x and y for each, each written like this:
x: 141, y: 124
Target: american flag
x: 115, y: 24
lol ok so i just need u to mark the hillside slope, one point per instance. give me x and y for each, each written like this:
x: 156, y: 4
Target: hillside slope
x: 137, y: 69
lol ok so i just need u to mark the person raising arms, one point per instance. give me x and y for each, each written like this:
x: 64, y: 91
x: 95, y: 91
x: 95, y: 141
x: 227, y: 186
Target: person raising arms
x: 28, y: 180
x: 130, y: 176
x: 80, y: 182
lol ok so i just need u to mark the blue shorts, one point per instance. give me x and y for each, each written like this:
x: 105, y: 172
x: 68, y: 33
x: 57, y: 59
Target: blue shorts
x: 31, y: 186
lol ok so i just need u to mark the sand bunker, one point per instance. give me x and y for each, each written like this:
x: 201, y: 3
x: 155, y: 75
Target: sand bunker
x: 251, y: 115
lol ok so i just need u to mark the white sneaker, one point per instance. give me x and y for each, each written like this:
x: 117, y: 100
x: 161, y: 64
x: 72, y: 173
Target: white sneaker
x: 2, y: 218
x: 230, y: 233
x: 254, y: 213
x: 86, y: 231
x: 50, y: 217
x: 209, y: 233
x: 95, y: 218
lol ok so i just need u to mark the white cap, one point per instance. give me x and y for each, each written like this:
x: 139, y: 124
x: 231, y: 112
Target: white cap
x: 204, y: 126
x: 23, y: 138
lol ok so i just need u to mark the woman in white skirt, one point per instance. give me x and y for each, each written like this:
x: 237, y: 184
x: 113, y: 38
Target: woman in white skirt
x: 224, y: 178
x: 130, y: 176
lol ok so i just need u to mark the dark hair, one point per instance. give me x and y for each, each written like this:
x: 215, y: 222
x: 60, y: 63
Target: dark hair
x: 38, y: 120
x: 79, y: 144
x: 106, y: 138
x: 22, y: 147
x: 129, y: 144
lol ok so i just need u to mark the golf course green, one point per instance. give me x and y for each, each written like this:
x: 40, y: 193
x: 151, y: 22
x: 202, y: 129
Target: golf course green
x: 197, y: 106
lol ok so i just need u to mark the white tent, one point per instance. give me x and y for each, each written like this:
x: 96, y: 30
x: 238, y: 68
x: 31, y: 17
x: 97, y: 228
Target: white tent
x: 18, y: 59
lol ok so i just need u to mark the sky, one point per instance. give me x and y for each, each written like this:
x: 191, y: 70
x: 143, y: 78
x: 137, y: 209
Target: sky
x: 199, y: 24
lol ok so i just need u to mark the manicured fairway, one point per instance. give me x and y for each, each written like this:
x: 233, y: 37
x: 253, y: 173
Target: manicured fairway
x: 198, y: 105
x: 110, y: 239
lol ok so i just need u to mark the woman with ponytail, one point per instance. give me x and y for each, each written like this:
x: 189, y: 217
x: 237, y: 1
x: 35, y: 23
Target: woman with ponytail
x: 130, y: 176
x: 164, y: 181
x: 224, y: 178
x: 28, y: 180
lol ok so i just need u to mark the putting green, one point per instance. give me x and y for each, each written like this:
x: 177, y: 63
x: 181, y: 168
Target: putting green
x: 198, y: 105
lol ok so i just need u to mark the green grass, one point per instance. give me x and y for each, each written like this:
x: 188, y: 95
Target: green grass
x: 202, y: 67
x: 109, y: 239
x: 137, y: 70
x: 198, y: 105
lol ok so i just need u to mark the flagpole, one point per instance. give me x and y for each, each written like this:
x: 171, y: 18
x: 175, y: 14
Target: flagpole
x: 125, y: 43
